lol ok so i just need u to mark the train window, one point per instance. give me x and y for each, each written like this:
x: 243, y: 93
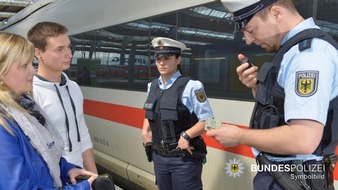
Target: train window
x: 121, y: 57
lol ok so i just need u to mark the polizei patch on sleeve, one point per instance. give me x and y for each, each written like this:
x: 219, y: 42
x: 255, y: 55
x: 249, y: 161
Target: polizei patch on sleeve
x: 306, y: 83
x: 200, y: 95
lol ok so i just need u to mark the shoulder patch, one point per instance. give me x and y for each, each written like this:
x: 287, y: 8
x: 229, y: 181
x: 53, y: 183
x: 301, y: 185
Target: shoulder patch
x: 306, y: 83
x: 200, y: 95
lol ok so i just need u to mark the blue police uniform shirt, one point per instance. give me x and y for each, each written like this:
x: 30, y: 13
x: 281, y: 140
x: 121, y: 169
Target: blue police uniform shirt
x: 310, y: 81
x: 202, y: 109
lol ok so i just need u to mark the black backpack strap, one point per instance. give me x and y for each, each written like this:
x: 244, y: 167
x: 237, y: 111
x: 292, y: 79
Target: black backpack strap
x: 183, y: 81
x: 304, y: 39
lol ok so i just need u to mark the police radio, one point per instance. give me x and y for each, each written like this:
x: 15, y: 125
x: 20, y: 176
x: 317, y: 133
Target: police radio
x: 246, y: 60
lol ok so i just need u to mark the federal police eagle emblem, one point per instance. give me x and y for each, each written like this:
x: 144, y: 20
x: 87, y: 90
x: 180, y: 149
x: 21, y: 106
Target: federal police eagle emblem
x: 306, y: 83
x: 200, y: 95
x: 234, y: 168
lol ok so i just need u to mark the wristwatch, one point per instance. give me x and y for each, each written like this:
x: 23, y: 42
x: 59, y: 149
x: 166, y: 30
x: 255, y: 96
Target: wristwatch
x: 185, y: 136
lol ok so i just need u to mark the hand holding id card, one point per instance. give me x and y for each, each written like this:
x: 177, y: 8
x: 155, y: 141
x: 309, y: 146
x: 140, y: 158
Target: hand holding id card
x: 212, y: 124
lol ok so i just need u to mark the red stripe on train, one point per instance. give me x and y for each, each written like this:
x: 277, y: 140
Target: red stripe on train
x: 134, y: 117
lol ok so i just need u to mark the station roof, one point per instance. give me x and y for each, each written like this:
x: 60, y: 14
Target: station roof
x: 8, y: 8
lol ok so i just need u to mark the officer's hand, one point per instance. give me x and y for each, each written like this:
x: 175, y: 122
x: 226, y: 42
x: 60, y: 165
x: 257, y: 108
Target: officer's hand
x: 248, y: 76
x: 183, y: 144
x: 146, y: 137
x: 227, y: 135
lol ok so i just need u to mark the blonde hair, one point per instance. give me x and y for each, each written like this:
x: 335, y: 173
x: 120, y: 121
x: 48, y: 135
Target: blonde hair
x: 13, y: 47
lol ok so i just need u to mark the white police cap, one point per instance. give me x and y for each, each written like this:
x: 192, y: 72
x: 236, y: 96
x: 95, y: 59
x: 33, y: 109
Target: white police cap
x: 167, y: 46
x: 243, y: 10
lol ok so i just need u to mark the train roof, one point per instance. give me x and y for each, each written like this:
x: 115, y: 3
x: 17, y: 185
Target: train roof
x: 88, y: 15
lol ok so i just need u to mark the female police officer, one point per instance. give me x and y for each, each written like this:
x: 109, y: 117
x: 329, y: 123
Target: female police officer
x: 176, y: 110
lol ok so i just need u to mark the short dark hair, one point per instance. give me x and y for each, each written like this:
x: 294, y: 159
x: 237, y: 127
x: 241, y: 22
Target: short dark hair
x: 39, y: 33
x: 288, y: 4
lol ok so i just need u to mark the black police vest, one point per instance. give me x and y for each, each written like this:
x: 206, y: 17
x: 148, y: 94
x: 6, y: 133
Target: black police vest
x: 166, y: 113
x: 269, y: 107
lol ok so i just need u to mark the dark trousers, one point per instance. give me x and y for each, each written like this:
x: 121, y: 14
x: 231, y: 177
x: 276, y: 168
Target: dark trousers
x: 264, y: 181
x: 178, y: 173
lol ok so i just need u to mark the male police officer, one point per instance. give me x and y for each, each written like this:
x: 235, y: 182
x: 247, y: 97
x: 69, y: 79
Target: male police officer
x: 295, y: 120
x: 176, y: 110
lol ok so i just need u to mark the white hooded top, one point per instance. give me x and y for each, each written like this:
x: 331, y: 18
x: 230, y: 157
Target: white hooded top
x: 46, y: 96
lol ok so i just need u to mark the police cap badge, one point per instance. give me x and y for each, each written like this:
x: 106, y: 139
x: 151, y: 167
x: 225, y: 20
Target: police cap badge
x: 166, y: 46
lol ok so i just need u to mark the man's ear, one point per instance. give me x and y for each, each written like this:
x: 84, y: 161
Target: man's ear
x: 276, y: 12
x: 37, y: 53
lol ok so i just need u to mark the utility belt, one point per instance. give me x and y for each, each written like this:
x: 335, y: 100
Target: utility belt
x: 300, y: 175
x: 170, y: 150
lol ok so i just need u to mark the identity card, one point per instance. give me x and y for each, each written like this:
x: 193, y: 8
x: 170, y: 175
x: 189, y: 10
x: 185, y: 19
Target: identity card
x: 212, y: 124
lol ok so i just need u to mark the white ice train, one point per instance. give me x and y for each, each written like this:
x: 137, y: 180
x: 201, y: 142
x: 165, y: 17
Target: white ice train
x: 113, y: 62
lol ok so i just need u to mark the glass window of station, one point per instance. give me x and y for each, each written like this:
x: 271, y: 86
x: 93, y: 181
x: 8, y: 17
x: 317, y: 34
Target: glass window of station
x: 121, y: 56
